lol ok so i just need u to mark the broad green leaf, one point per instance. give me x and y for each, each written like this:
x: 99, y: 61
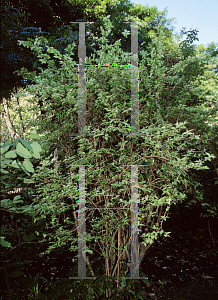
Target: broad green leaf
x: 4, y: 171
x: 90, y: 291
x: 17, y: 197
x: 15, y: 165
x: 4, y: 243
x: 18, y: 201
x: 23, y: 168
x: 34, y: 136
x: 11, y: 154
x: 26, y: 144
x: 36, y: 149
x: 123, y: 283
x: 28, y: 165
x: 15, y: 141
x: 5, y: 162
x: 36, y: 155
x: 23, y: 151
x: 4, y: 149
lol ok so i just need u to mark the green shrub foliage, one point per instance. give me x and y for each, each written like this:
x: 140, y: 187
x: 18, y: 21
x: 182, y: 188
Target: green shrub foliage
x: 169, y: 145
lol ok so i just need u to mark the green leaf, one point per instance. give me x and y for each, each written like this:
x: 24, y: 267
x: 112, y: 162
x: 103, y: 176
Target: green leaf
x: 123, y: 283
x: 15, y: 141
x: 32, y: 214
x: 34, y: 136
x: 4, y: 202
x: 26, y: 144
x: 26, y: 208
x: 4, y: 149
x: 18, y: 201
x: 17, y: 197
x: 90, y: 291
x: 5, y: 162
x: 11, y: 154
x: 23, y: 151
x: 23, y: 168
x: 4, y: 243
x: 14, y: 165
x: 4, y: 171
x: 36, y: 149
x: 109, y: 284
x: 28, y: 238
x: 132, y: 292
x: 89, y: 251
x: 147, y: 175
x: 28, y: 165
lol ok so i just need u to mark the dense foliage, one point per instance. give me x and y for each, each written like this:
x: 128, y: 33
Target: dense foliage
x: 177, y: 146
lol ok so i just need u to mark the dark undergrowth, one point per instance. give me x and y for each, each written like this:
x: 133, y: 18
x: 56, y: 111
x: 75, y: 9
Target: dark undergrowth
x: 183, y: 266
